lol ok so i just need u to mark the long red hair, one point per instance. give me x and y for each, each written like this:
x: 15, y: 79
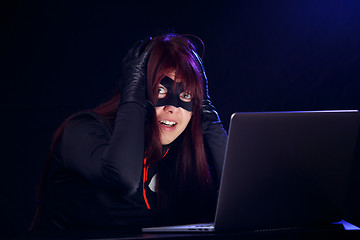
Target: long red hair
x: 183, y: 193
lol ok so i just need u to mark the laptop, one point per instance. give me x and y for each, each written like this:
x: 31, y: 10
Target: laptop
x: 283, y: 170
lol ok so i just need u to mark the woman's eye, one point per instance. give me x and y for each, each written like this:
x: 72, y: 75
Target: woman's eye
x: 162, y: 92
x: 186, y: 97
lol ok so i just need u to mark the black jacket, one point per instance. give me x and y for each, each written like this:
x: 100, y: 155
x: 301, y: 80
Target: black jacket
x: 95, y: 179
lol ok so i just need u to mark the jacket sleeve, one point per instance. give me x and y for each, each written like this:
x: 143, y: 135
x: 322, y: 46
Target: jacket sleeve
x: 111, y: 160
x: 215, y: 139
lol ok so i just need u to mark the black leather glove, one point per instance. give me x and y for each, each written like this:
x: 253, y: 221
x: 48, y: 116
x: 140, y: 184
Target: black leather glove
x: 133, y: 75
x: 208, y: 111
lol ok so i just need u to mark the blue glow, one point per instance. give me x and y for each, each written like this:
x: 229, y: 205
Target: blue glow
x: 347, y: 225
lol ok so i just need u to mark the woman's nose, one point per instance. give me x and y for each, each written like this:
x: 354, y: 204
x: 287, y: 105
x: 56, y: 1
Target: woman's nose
x: 170, y: 108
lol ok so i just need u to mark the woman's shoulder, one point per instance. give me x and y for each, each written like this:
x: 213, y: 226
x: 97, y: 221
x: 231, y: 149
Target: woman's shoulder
x: 87, y: 119
x: 87, y: 115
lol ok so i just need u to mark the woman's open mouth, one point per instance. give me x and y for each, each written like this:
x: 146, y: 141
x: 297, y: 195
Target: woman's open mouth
x: 167, y: 123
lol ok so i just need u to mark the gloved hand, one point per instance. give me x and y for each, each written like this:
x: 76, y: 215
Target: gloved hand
x: 133, y: 76
x: 208, y: 111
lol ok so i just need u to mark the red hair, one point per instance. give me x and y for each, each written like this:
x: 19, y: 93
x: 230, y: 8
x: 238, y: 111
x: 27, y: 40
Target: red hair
x: 190, y: 175
x: 173, y: 53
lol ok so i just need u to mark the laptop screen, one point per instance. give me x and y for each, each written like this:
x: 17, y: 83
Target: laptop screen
x: 286, y: 169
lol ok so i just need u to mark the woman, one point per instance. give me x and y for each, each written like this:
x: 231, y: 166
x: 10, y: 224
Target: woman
x: 151, y: 155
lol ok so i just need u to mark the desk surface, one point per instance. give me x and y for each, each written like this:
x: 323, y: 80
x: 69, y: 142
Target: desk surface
x: 334, y: 233
x: 254, y: 236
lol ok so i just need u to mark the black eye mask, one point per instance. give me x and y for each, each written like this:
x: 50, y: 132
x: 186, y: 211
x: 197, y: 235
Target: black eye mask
x: 173, y: 97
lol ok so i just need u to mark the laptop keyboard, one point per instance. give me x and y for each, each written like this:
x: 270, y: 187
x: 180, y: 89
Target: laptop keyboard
x: 202, y: 227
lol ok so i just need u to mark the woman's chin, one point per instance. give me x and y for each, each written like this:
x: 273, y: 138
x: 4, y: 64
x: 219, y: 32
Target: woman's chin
x: 166, y: 140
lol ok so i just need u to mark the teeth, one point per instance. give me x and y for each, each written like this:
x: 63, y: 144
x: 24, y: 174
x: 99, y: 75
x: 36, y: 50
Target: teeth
x: 168, y: 123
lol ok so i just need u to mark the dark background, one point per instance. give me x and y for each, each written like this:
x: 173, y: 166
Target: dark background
x: 59, y: 57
